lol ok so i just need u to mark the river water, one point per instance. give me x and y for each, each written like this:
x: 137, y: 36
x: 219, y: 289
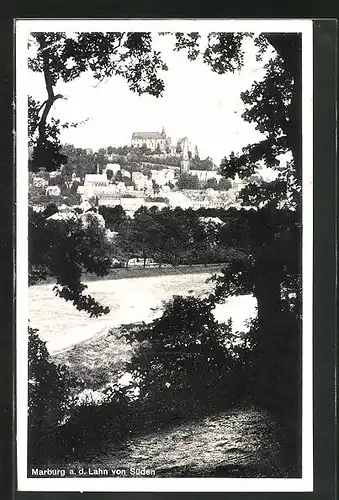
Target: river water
x: 130, y: 300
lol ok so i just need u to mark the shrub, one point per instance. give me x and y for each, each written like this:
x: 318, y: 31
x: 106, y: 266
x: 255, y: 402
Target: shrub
x: 50, y: 390
x: 94, y: 423
x: 187, y: 363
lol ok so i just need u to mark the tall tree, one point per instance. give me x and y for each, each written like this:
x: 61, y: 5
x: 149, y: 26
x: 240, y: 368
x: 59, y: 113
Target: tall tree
x: 212, y: 183
x: 268, y: 240
x: 147, y: 234
x: 188, y: 181
x: 109, y: 174
x: 60, y: 57
x: 224, y: 184
x: 124, y: 245
x: 175, y: 235
x: 114, y: 217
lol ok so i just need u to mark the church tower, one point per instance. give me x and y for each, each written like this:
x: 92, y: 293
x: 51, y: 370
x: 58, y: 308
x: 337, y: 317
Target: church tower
x: 184, y: 162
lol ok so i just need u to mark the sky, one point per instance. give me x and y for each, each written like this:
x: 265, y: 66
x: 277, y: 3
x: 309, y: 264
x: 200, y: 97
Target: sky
x: 197, y: 103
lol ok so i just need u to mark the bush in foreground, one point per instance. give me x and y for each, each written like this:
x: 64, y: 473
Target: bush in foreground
x: 50, y: 399
x: 187, y: 363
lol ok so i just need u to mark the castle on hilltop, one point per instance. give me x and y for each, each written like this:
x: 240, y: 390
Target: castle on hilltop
x: 153, y: 140
x: 160, y: 141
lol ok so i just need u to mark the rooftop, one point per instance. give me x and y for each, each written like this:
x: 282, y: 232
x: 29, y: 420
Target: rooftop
x: 147, y: 135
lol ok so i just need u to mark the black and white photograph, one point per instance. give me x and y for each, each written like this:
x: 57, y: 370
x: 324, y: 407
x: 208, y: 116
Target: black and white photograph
x: 164, y: 255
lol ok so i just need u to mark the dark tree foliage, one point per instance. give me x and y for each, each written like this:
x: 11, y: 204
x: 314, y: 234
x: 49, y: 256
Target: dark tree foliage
x: 197, y: 164
x: 115, y: 217
x: 109, y: 174
x: 175, y: 240
x: 174, y: 352
x: 145, y: 236
x: 169, y: 236
x: 123, y: 246
x: 212, y: 183
x: 64, y: 249
x: 205, y: 242
x: 224, y: 184
x: 50, y: 390
x: 188, y: 181
x: 85, y: 432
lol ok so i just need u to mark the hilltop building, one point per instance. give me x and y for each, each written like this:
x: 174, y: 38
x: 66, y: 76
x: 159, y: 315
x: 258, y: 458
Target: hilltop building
x: 160, y: 141
x: 152, y: 140
x: 184, y: 142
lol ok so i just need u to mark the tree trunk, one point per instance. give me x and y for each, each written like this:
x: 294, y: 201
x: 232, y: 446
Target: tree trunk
x: 277, y: 357
x: 268, y: 294
x: 49, y: 83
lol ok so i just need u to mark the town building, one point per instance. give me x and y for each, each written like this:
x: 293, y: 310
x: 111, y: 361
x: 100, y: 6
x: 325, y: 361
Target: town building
x: 125, y: 173
x: 141, y: 181
x: 178, y: 199
x: 209, y: 198
x: 40, y: 182
x: 212, y: 220
x: 164, y: 176
x: 53, y: 191
x: 184, y: 142
x: 96, y: 180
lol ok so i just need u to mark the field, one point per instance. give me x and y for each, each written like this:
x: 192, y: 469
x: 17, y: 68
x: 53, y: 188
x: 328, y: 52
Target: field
x: 130, y: 300
x: 137, y: 271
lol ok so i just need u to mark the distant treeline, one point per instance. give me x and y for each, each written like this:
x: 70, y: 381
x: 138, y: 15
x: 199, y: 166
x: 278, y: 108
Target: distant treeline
x: 168, y: 236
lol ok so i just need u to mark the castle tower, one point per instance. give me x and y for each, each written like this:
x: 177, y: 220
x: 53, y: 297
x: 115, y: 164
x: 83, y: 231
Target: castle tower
x: 184, y: 162
x: 163, y: 133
